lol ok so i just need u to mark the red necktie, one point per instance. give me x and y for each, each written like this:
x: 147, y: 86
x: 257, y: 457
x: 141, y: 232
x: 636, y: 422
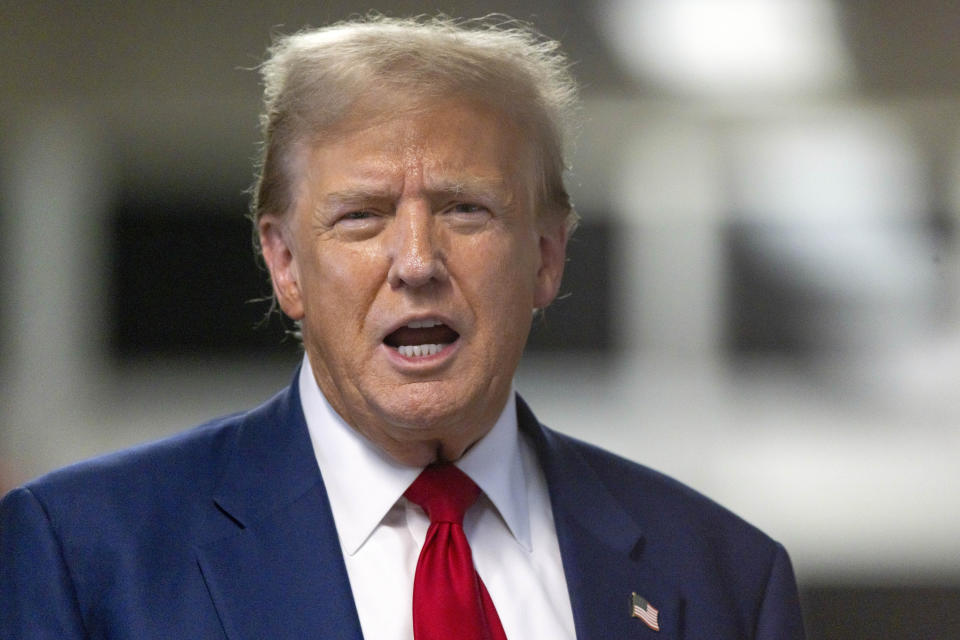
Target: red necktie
x: 449, y: 599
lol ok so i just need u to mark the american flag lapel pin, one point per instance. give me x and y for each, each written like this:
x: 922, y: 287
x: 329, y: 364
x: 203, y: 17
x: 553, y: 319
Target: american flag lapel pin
x: 640, y: 608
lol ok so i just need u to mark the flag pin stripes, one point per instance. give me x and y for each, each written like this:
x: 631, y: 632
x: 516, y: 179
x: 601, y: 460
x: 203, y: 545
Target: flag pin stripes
x: 640, y: 608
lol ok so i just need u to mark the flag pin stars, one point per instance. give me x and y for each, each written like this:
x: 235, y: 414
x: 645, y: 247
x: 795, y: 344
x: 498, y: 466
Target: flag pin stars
x: 640, y: 608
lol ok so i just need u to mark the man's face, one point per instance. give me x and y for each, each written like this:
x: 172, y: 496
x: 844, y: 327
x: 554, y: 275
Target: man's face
x: 414, y: 260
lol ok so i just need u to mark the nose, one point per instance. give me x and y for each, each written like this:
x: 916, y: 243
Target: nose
x: 416, y: 255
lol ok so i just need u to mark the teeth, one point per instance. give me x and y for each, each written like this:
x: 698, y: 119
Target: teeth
x: 423, y: 324
x: 419, y: 350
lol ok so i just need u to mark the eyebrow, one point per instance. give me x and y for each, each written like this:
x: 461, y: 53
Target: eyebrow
x: 474, y: 186
x: 358, y: 195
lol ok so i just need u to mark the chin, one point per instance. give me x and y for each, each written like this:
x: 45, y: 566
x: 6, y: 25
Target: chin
x: 421, y: 411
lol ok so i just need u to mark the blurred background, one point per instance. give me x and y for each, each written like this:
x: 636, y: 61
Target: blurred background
x: 763, y: 299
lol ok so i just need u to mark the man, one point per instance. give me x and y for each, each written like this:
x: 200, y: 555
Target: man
x: 412, y: 214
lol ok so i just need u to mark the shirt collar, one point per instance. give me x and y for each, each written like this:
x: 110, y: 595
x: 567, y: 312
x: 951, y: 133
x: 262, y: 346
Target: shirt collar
x: 495, y: 464
x: 363, y: 483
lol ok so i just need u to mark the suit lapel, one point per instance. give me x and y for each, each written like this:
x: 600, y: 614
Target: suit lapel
x: 602, y: 546
x: 270, y: 555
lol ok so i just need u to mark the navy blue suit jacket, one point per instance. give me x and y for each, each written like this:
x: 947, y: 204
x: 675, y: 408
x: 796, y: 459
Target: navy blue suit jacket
x: 225, y: 531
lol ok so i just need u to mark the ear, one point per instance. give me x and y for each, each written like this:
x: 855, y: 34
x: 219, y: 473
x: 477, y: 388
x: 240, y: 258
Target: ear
x: 553, y: 256
x: 278, y: 253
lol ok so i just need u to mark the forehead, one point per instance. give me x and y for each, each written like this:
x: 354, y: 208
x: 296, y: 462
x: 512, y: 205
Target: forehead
x: 453, y: 138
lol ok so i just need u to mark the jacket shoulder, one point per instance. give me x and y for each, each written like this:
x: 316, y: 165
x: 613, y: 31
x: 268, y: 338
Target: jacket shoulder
x: 186, y: 458
x: 103, y: 540
x: 645, y: 492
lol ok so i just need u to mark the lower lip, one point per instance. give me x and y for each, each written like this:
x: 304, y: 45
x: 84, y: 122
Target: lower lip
x: 421, y: 362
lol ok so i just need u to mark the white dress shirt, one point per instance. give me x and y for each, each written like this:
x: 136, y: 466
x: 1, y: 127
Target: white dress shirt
x: 510, y: 528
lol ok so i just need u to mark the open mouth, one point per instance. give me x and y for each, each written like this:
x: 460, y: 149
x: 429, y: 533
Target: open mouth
x: 421, y: 338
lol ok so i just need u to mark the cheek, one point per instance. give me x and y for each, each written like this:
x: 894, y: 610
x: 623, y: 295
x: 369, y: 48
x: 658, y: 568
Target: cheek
x: 503, y: 277
x: 349, y: 276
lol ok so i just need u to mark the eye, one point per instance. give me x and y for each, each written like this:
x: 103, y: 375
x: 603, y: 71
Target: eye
x: 470, y: 212
x: 358, y: 215
x: 468, y: 217
x: 359, y: 224
x: 467, y: 207
x: 360, y: 218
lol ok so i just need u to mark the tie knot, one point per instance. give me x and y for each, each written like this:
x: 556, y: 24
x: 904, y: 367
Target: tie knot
x: 444, y: 492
